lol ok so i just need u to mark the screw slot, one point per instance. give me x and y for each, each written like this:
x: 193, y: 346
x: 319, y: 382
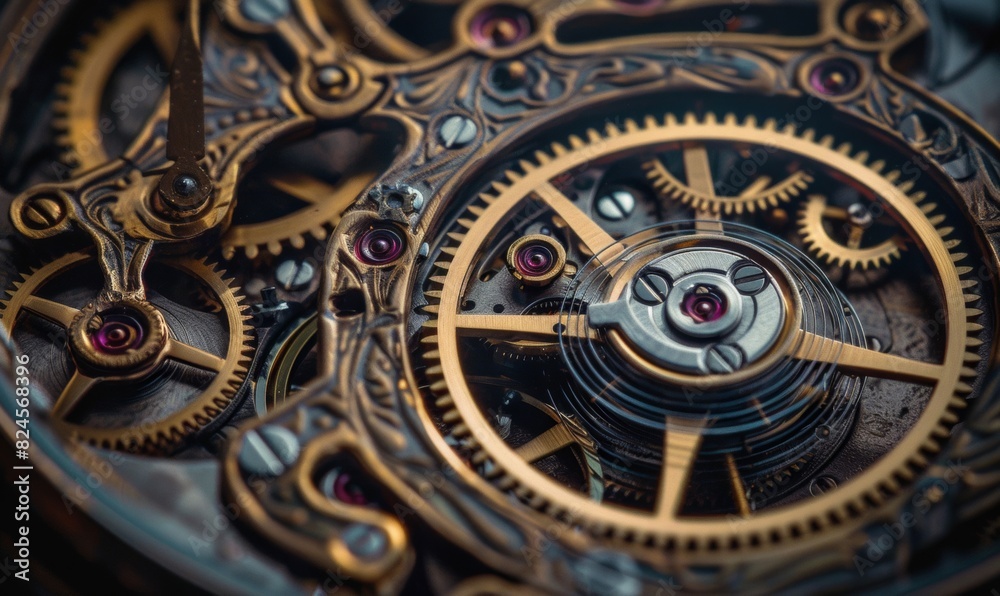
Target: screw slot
x: 43, y: 213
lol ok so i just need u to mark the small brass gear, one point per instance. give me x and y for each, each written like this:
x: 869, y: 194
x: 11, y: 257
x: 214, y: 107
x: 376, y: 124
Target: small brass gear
x: 151, y: 426
x: 759, y: 196
x: 304, y: 207
x: 813, y: 218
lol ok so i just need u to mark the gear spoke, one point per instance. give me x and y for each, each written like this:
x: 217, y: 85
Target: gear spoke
x: 759, y: 185
x: 192, y: 356
x: 524, y: 326
x: 681, y: 443
x: 60, y: 314
x: 739, y: 488
x: 590, y: 233
x: 854, y: 360
x: 307, y: 189
x: 546, y: 444
x: 699, y: 177
x: 78, y: 386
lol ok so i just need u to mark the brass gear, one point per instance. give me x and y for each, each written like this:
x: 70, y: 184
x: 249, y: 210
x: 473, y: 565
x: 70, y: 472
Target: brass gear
x: 80, y: 132
x: 815, y: 210
x: 708, y: 538
x: 77, y: 108
x: 173, y: 430
x: 760, y: 196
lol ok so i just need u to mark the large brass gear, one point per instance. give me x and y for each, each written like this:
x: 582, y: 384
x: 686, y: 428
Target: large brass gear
x: 199, y: 412
x: 708, y: 538
x: 848, y: 253
x: 80, y: 129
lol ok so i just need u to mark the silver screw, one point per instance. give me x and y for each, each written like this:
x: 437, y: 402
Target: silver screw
x: 749, y: 279
x: 822, y: 485
x: 294, y: 274
x: 859, y: 215
x: 264, y: 11
x: 651, y: 288
x: 269, y: 451
x: 331, y: 77
x: 615, y: 205
x: 457, y: 131
x: 722, y: 358
x: 365, y: 540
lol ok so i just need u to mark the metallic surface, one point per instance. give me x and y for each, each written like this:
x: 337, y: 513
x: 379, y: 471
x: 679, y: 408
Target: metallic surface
x: 596, y: 296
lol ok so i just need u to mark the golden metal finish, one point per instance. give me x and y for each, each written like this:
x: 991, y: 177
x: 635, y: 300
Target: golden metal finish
x: 949, y: 378
x: 850, y: 254
x: 556, y: 251
x: 92, y: 368
x: 699, y: 191
x: 81, y: 127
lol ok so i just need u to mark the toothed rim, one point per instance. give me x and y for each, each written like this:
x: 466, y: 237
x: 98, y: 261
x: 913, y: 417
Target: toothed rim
x: 165, y: 435
x: 818, y: 242
x: 668, y: 186
x: 769, y: 529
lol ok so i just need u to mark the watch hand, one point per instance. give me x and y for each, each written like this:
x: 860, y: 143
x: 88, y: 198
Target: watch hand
x: 186, y: 186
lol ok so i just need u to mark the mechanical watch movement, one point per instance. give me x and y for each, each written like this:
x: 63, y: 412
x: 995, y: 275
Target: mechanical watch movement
x: 608, y: 297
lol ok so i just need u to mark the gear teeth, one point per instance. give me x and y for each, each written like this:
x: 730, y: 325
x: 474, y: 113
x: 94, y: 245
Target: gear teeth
x: 885, y: 489
x: 168, y: 435
x: 823, y: 247
x: 670, y: 187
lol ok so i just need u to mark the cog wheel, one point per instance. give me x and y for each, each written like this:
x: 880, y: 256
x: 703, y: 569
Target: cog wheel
x: 78, y: 107
x: 599, y: 352
x: 814, y: 217
x: 180, y: 363
x: 279, y: 207
x: 760, y: 195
